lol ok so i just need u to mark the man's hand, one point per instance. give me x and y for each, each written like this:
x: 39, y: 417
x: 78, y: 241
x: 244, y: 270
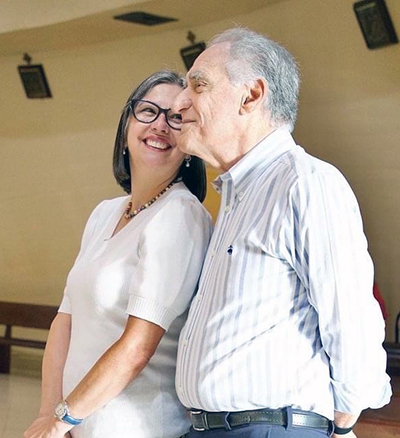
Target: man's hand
x: 47, y: 427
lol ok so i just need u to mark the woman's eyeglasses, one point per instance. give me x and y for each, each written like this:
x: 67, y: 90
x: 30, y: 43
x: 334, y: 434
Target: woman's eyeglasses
x: 147, y: 112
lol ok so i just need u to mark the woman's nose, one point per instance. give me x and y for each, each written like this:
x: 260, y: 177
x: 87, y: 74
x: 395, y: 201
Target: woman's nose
x: 160, y: 124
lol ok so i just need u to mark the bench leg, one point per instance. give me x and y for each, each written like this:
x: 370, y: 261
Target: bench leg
x: 5, y: 357
x: 5, y: 353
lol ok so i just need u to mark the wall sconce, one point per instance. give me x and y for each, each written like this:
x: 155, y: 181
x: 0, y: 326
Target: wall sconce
x: 34, y: 80
x: 190, y: 53
x: 375, y: 23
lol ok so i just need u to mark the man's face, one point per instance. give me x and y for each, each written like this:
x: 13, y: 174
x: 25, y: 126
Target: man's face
x: 210, y: 109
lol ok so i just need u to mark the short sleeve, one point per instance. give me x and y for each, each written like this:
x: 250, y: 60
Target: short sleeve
x: 65, y: 306
x: 171, y: 253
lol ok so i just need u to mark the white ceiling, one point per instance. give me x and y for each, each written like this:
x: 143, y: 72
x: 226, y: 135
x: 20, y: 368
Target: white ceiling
x: 101, y: 27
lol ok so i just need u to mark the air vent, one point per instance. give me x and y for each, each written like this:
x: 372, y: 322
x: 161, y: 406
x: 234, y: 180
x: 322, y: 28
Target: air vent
x: 144, y: 18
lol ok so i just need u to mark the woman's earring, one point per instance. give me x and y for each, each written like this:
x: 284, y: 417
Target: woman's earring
x: 124, y: 151
x: 187, y: 161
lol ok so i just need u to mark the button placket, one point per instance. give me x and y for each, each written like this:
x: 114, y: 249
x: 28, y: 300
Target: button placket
x: 216, y: 242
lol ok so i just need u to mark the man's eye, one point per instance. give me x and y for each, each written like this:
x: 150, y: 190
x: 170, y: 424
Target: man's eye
x: 198, y: 85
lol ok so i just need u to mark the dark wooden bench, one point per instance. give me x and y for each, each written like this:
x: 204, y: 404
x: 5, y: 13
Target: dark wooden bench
x: 393, y: 358
x: 393, y: 351
x: 22, y: 315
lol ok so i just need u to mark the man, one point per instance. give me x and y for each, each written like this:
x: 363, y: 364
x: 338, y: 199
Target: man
x: 284, y: 334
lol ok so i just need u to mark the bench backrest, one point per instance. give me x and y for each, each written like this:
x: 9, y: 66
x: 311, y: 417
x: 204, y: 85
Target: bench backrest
x: 27, y: 315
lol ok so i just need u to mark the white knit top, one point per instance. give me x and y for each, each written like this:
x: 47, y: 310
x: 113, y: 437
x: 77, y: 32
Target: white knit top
x: 149, y: 270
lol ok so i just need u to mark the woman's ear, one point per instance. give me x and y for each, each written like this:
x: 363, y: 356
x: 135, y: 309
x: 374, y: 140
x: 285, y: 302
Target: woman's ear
x: 254, y: 96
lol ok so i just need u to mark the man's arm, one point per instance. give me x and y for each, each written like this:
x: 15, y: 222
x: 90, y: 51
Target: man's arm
x: 345, y: 421
x: 333, y: 263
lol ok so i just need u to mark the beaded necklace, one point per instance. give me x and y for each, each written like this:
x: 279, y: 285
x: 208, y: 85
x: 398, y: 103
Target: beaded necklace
x: 129, y: 214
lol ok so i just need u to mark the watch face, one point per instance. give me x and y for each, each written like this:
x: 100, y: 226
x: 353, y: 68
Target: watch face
x: 60, y: 410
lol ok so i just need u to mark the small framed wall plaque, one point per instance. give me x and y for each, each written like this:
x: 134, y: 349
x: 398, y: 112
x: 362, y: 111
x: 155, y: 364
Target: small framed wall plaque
x: 375, y: 23
x: 34, y: 81
x: 190, y: 53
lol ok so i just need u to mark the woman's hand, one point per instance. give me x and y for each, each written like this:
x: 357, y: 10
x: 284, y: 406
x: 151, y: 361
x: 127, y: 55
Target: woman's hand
x: 47, y: 427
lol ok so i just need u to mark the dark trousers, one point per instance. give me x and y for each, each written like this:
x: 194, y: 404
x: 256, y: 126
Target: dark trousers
x: 258, y: 430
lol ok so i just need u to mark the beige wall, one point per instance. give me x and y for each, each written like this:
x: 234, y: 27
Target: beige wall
x: 55, y: 155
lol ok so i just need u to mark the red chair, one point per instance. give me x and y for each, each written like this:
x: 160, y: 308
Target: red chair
x: 379, y: 298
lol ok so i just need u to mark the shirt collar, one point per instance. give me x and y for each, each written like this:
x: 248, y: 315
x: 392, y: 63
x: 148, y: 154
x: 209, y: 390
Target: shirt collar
x: 256, y: 160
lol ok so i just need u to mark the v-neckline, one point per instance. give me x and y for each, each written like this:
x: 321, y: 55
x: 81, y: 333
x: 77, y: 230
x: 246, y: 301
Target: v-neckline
x: 115, y: 220
x: 115, y: 232
x: 116, y: 217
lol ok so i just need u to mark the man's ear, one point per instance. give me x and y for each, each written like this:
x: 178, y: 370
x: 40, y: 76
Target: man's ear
x: 254, y: 96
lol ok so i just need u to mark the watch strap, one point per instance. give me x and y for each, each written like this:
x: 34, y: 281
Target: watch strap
x: 65, y: 416
x: 342, y: 430
x: 71, y: 420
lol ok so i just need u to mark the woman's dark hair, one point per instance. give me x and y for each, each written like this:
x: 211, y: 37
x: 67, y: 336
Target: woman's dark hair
x: 193, y: 176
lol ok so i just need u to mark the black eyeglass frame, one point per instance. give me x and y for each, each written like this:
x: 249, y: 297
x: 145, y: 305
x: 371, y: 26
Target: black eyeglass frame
x: 164, y: 111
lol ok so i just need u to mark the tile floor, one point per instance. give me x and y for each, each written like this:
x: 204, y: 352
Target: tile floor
x: 19, y: 394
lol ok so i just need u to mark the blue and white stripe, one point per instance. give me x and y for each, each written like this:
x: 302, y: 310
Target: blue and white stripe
x: 284, y: 314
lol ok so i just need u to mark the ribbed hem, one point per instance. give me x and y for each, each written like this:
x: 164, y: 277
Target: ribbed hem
x: 65, y: 306
x: 151, y: 311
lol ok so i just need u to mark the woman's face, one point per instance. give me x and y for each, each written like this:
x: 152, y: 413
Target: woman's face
x: 152, y: 146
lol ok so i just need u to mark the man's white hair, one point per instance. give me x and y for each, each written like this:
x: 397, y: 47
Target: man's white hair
x: 253, y: 56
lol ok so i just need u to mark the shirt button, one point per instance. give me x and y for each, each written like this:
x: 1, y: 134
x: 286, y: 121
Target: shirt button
x: 212, y: 253
x: 241, y: 196
x: 184, y: 343
x: 228, y: 208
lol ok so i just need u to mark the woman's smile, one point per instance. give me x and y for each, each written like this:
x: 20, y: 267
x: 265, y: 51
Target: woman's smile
x: 157, y: 143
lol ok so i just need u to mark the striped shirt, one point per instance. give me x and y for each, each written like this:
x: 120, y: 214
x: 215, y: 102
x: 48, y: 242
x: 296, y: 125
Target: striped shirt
x: 284, y: 314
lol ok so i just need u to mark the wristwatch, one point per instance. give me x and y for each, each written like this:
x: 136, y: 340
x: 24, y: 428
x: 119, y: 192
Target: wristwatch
x: 62, y: 413
x: 342, y: 430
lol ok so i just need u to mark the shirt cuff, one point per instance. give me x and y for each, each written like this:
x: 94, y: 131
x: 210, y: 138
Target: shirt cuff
x: 350, y: 401
x: 151, y: 311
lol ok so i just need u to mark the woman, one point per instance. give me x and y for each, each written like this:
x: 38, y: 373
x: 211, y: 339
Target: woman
x: 109, y: 364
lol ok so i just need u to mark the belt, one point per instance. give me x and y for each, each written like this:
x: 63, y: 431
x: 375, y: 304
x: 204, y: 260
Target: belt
x: 202, y: 420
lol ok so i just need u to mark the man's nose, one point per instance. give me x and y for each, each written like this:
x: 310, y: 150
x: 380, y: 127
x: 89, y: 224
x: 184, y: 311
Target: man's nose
x: 181, y: 102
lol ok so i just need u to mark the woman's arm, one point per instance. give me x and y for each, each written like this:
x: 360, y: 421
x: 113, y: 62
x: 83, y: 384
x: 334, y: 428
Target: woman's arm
x: 54, y: 359
x: 118, y: 366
